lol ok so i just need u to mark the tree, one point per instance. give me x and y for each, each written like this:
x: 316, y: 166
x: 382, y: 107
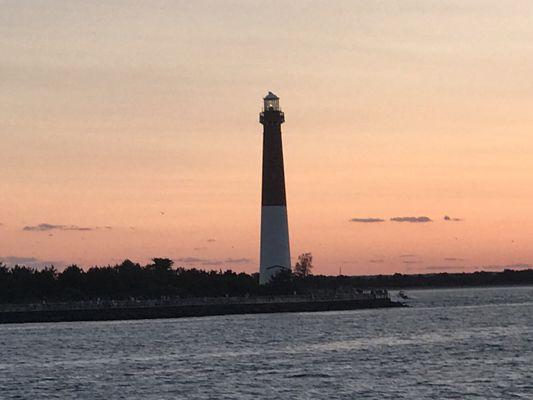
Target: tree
x: 281, y: 283
x: 72, y: 281
x: 162, y: 264
x: 304, y: 265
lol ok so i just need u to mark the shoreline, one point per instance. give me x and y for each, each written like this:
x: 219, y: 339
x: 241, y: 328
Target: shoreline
x: 192, y: 310
x: 502, y: 285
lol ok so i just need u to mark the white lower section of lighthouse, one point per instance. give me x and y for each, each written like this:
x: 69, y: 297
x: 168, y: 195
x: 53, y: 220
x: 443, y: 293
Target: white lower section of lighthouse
x: 275, y: 252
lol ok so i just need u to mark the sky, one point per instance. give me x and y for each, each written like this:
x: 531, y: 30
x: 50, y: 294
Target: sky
x: 129, y: 129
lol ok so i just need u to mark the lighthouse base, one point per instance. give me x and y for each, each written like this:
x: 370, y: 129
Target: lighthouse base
x: 275, y: 252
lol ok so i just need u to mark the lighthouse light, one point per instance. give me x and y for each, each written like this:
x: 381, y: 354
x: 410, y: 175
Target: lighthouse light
x: 271, y: 102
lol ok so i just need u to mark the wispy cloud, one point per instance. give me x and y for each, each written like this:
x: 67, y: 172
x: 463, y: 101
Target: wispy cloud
x: 200, y: 261
x: 502, y: 267
x: 50, y: 227
x: 190, y: 260
x: 415, y: 220
x: 211, y: 240
x: 479, y: 267
x: 452, y: 219
x: 376, y: 261
x: 18, y: 260
x: 214, y: 261
x: 454, y: 259
x: 407, y: 255
x: 211, y: 262
x: 443, y: 267
x: 367, y: 220
x: 238, y: 260
x: 33, y: 262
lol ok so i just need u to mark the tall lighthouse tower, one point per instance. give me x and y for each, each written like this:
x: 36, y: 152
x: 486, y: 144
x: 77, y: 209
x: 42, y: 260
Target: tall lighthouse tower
x: 275, y: 252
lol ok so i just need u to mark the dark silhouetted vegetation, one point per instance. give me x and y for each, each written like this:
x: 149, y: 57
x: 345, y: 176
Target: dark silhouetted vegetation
x: 304, y: 265
x: 158, y: 279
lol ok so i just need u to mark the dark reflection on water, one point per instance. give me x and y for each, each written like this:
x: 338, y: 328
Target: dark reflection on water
x: 453, y: 344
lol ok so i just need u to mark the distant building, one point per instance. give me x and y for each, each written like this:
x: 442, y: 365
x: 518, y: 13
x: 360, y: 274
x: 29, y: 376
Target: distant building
x: 275, y: 250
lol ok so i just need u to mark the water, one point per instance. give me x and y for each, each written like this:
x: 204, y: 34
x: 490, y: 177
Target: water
x: 452, y: 344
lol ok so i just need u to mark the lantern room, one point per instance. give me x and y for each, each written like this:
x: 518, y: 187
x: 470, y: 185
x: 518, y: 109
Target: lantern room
x: 271, y: 102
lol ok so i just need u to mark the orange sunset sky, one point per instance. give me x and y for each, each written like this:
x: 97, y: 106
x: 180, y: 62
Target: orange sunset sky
x: 129, y: 129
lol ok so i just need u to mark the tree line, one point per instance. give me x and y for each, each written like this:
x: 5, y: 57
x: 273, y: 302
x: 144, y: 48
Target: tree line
x: 160, y: 278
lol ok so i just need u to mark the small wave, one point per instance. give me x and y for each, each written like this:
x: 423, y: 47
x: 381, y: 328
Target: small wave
x: 309, y: 375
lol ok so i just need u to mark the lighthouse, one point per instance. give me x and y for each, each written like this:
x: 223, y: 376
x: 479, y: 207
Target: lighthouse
x: 275, y: 251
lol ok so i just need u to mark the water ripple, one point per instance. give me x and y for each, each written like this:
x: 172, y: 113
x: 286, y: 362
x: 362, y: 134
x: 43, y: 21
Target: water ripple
x: 453, y: 344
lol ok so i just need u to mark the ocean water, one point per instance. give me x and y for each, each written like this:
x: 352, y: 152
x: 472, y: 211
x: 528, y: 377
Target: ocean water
x: 452, y: 344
